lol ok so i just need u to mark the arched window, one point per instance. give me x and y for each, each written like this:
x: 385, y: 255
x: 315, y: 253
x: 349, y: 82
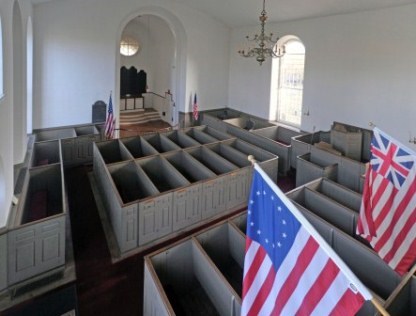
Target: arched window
x: 289, y: 86
x: 1, y: 61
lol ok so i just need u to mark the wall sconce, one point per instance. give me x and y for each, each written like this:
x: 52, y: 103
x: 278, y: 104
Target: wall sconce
x: 412, y: 140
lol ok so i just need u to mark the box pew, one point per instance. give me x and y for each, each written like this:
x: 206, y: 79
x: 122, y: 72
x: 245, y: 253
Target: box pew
x: 138, y: 147
x: 215, y: 118
x: 3, y: 258
x: 45, y: 153
x: 225, y: 246
x: 354, y: 142
x: 239, y: 187
x: 53, y: 134
x: 181, y: 280
x: 403, y: 300
x: 155, y: 215
x: 213, y: 132
x: 347, y: 139
x: 112, y: 151
x: 282, y: 137
x: 83, y: 148
x: 269, y: 145
x: 348, y: 172
x: 340, y: 194
x: 160, y: 142
x: 181, y: 139
x: 239, y: 222
x: 213, y: 122
x: 124, y: 189
x: 314, y: 165
x: 200, y: 137
x: 248, y: 123
x: 187, y: 202
x: 302, y: 144
x: 333, y: 212
x: 215, y: 191
x: 231, y: 154
x: 86, y: 130
x: 223, y: 113
x: 268, y: 161
x: 36, y: 240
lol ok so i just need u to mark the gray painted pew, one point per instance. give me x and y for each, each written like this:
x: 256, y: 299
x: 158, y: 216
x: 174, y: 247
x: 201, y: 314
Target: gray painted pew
x: 302, y: 144
x: 187, y: 278
x: 182, y: 139
x: 138, y: 147
x: 213, y: 132
x: 188, y: 201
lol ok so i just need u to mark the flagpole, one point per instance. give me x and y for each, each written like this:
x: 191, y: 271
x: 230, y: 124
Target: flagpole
x: 251, y: 159
x: 379, y: 308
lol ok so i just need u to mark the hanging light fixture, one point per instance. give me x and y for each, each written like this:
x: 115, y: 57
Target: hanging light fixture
x: 266, y: 44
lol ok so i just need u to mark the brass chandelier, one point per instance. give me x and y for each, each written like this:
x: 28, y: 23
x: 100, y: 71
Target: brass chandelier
x: 266, y: 45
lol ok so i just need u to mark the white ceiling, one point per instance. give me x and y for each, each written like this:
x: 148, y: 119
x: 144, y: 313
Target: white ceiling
x: 235, y: 13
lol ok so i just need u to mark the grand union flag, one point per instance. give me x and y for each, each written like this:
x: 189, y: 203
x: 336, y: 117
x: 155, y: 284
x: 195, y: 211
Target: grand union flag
x: 388, y: 210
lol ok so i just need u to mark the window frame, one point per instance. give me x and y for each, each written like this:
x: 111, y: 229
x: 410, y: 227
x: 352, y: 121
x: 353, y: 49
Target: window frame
x: 277, y: 84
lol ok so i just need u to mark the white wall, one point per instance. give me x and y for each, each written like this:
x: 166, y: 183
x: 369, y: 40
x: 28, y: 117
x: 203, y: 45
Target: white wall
x: 359, y: 68
x: 7, y: 137
x: 76, y: 52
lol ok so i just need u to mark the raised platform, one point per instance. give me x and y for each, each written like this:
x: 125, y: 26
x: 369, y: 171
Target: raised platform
x: 138, y: 116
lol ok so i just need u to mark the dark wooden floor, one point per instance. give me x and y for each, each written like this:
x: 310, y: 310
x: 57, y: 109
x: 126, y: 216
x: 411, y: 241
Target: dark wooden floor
x: 137, y: 129
x: 103, y: 288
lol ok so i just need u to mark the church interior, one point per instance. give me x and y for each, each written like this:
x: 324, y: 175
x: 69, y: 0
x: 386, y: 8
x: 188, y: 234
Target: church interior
x: 146, y: 214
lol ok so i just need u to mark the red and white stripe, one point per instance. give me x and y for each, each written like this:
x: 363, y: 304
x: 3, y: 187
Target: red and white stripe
x: 110, y: 126
x: 392, y: 214
x: 308, y: 282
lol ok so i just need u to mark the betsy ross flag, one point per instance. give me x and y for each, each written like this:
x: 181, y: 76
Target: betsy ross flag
x: 388, y: 209
x: 195, y: 109
x: 110, y: 123
x: 288, y: 268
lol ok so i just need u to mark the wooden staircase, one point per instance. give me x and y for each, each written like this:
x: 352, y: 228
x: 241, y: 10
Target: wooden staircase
x: 140, y: 116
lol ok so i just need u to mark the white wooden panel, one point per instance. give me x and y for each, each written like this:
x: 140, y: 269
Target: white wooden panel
x: 3, y: 261
x: 129, y: 228
x: 186, y: 207
x: 35, y: 249
x: 164, y: 215
x: 130, y: 104
x: 155, y: 218
x: 67, y: 146
x: 237, y: 188
x: 214, y: 197
x: 154, y: 303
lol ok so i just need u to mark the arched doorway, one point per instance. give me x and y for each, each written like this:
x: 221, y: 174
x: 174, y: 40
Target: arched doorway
x: 29, y: 75
x: 162, y: 43
x: 19, y: 112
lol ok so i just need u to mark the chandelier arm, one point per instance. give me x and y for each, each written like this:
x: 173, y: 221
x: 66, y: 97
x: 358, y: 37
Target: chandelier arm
x: 265, y: 43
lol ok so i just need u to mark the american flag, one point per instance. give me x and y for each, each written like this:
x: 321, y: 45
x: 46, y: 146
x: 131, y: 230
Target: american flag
x: 388, y: 209
x: 110, y: 123
x: 195, y: 109
x: 288, y: 267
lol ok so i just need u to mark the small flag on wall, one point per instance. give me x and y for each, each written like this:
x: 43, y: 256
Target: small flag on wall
x: 289, y: 269
x: 110, y: 123
x: 388, y: 209
x: 195, y: 109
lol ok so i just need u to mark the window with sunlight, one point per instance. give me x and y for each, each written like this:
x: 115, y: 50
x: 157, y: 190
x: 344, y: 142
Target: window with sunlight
x: 290, y: 83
